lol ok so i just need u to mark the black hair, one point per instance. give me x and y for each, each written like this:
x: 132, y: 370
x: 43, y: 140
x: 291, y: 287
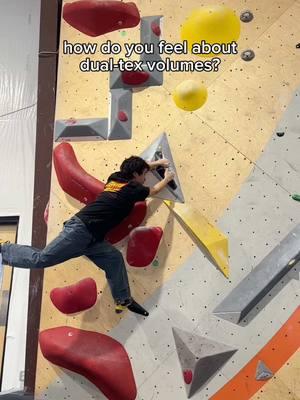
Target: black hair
x: 133, y: 164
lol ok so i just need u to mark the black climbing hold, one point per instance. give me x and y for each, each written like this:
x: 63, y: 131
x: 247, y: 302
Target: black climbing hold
x: 248, y: 55
x: 246, y: 16
x: 161, y: 170
x: 298, y: 46
x: 280, y: 134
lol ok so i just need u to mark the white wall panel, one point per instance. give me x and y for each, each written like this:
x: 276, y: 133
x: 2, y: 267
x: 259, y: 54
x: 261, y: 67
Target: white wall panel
x: 19, y: 43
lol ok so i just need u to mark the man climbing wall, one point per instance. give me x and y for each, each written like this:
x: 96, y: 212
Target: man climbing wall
x: 84, y: 233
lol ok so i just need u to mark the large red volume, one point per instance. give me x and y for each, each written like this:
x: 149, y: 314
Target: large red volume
x: 95, y: 18
x: 142, y: 245
x: 96, y: 356
x: 134, y: 219
x: 72, y: 178
x: 75, y: 298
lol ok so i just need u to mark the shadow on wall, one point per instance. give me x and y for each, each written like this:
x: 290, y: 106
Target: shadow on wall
x: 294, y: 273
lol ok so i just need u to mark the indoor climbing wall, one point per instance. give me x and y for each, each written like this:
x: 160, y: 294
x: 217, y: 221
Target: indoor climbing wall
x: 235, y: 173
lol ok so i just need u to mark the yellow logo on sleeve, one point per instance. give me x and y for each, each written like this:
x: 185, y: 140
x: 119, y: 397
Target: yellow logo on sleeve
x: 114, y: 186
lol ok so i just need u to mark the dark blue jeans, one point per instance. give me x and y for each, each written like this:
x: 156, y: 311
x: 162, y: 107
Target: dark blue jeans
x: 74, y: 241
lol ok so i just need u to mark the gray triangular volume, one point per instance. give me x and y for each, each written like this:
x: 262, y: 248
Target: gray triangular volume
x: 121, y: 102
x: 231, y: 316
x: 148, y: 35
x: 161, y: 143
x: 263, y: 373
x: 81, y: 129
x: 201, y: 357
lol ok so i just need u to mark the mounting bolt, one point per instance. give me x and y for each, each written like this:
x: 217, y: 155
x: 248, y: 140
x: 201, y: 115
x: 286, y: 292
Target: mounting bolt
x: 248, y: 55
x: 246, y: 16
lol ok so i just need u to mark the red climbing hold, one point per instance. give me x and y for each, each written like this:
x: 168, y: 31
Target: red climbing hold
x: 156, y: 29
x: 74, y: 298
x: 188, y: 376
x: 142, y: 245
x: 98, y: 357
x: 135, y: 78
x: 134, y: 219
x: 73, y: 179
x: 71, y: 121
x: 122, y: 116
x: 95, y: 18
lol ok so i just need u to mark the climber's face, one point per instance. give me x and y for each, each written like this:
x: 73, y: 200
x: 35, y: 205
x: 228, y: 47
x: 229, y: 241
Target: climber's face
x: 140, y: 178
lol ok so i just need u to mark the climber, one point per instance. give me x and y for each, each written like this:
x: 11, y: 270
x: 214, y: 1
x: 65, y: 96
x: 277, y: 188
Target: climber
x: 84, y: 233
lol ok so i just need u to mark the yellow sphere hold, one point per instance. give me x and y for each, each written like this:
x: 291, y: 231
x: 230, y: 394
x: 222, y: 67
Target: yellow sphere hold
x: 190, y: 95
x: 213, y: 24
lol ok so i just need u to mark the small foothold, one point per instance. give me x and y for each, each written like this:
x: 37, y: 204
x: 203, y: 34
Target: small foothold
x: 280, y: 134
x: 122, y: 116
x: 296, y: 197
x: 188, y: 376
x: 293, y: 261
x: 156, y: 29
x: 71, y: 121
x: 155, y: 263
x: 263, y: 373
x: 298, y: 46
x: 248, y: 55
x: 246, y: 16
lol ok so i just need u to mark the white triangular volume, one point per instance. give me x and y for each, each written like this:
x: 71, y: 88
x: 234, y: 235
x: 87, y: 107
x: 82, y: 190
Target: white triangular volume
x: 152, y: 178
x: 201, y: 356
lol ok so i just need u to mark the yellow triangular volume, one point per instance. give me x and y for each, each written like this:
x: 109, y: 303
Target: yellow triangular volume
x: 209, y: 235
